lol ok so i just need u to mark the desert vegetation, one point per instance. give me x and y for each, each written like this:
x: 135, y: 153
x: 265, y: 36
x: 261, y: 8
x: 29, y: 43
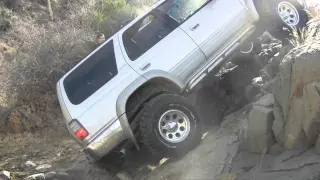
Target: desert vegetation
x: 40, y: 40
x: 46, y: 38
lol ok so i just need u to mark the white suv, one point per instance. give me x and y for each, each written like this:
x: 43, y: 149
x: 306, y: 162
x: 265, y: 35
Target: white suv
x: 130, y: 89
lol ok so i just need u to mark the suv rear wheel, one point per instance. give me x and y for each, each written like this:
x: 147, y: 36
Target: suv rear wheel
x: 280, y: 16
x: 169, y: 126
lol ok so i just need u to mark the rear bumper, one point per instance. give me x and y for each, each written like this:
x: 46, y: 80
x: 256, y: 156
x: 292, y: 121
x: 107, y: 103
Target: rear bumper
x: 106, y: 141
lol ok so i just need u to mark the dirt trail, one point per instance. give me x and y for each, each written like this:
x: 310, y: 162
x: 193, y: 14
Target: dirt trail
x: 210, y: 159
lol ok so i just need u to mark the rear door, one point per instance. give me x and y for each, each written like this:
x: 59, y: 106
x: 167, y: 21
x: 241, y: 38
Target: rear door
x: 211, y: 24
x: 156, y: 43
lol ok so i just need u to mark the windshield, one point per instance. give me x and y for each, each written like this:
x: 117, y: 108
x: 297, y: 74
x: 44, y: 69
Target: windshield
x: 180, y: 10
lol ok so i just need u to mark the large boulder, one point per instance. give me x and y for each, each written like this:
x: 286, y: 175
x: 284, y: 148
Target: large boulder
x: 257, y: 136
x: 297, y: 96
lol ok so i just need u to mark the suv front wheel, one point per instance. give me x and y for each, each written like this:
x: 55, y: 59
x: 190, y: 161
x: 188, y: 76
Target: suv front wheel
x: 169, y: 126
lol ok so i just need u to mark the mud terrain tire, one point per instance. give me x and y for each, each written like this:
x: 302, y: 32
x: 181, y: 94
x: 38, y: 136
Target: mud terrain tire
x: 272, y: 22
x: 154, y: 114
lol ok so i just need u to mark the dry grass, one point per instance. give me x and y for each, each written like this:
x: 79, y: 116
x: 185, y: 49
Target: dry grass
x: 311, y: 32
x: 5, y: 18
x: 48, y: 47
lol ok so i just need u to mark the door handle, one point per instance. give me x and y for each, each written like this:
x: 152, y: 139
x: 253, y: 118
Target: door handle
x: 145, y: 67
x: 195, y: 27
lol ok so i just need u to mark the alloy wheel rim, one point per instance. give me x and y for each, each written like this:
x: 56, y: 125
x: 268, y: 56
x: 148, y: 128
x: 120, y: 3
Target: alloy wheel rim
x: 288, y: 13
x: 174, y: 126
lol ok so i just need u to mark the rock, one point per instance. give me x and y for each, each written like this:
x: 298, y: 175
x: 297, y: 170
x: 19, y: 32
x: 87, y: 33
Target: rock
x: 261, y: 143
x: 267, y: 87
x: 29, y: 165
x: 318, y: 145
x: 243, y: 136
x: 227, y: 176
x: 245, y: 161
x: 311, y: 101
x: 260, y: 120
x: 265, y: 101
x: 122, y: 175
x: 285, y: 85
x: 295, y: 137
x: 315, y: 176
x: 57, y: 175
x: 277, y: 90
x: 257, y: 135
x: 296, y: 90
x: 39, y: 176
x: 257, y: 82
x: 284, y: 51
x: 5, y: 175
x: 43, y: 167
x: 276, y: 149
x: 278, y: 123
x: 49, y: 175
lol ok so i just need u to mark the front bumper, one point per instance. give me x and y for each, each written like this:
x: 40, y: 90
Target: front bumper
x: 112, y: 136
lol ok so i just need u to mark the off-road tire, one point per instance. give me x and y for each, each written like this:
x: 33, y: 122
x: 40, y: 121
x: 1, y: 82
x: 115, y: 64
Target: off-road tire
x: 271, y: 21
x: 150, y: 135
x: 145, y: 94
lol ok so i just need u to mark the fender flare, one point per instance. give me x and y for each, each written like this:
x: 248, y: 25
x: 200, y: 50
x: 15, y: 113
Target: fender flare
x: 125, y: 94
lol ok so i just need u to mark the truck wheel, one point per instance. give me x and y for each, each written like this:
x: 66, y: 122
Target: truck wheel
x: 281, y: 16
x: 169, y: 126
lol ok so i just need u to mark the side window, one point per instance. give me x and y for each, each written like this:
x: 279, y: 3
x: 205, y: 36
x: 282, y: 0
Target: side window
x: 91, y: 75
x: 146, y: 33
x: 181, y: 10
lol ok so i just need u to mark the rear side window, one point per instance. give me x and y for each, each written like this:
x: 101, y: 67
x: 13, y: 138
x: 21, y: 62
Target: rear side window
x: 91, y: 75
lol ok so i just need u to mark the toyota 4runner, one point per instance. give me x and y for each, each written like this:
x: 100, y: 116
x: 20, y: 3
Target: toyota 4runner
x: 131, y: 88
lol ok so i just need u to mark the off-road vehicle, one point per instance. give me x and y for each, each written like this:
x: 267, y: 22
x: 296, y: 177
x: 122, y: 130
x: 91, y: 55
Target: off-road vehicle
x: 131, y: 88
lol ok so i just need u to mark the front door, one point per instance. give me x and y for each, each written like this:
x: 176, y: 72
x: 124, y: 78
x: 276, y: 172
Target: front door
x: 156, y: 43
x: 211, y: 24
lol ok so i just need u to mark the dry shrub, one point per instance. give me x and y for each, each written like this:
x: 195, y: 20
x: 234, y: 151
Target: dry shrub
x: 311, y: 32
x: 46, y: 53
x: 107, y: 16
x: 5, y: 18
x: 48, y: 50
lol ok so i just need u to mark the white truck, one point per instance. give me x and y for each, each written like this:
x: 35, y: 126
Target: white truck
x: 131, y: 88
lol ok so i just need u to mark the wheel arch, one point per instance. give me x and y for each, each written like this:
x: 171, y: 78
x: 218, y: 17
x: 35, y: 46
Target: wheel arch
x: 133, y: 88
x: 154, y: 77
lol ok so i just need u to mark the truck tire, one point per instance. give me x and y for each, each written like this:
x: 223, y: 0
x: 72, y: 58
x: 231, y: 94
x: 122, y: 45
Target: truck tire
x: 142, y: 96
x: 279, y: 17
x: 169, y: 126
